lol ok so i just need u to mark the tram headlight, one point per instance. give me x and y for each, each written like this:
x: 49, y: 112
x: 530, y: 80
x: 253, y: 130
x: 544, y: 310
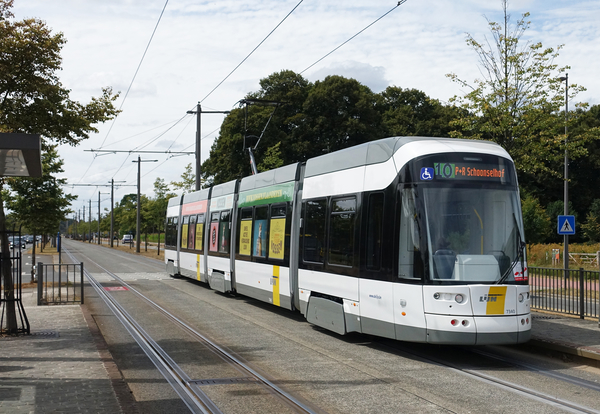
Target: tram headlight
x: 521, y: 298
x: 436, y: 295
x: 459, y: 298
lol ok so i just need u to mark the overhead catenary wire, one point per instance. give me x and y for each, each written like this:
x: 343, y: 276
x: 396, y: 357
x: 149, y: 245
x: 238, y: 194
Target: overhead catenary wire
x: 130, y: 84
x: 253, y: 50
x: 401, y: 2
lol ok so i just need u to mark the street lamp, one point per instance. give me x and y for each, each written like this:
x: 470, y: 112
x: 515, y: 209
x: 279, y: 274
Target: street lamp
x: 137, y: 227
x: 99, y: 238
x: 199, y: 113
x: 566, y: 184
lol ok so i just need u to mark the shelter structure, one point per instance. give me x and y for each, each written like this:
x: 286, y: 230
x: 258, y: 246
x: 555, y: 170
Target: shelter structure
x: 20, y: 156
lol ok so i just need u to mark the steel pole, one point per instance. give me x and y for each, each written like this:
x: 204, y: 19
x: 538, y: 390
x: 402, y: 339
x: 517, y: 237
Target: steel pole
x: 198, y: 144
x: 137, y: 227
x: 112, y: 203
x: 566, y: 183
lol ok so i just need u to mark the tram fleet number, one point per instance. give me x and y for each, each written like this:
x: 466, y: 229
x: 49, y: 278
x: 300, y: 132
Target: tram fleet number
x: 451, y: 170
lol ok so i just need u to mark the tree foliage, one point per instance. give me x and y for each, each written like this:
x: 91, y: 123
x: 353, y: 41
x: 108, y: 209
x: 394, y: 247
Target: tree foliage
x: 535, y: 220
x: 316, y: 118
x: 518, y: 102
x: 33, y: 100
x: 40, y: 203
x: 187, y: 183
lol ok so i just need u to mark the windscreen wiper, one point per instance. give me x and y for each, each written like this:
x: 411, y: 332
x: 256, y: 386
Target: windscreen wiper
x: 520, y: 246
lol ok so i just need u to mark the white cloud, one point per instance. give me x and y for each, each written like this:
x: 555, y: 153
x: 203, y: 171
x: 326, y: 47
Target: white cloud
x: 199, y: 42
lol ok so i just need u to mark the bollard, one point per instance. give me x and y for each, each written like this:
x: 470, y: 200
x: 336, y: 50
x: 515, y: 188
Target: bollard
x: 40, y: 272
x: 81, y: 282
x: 581, y: 294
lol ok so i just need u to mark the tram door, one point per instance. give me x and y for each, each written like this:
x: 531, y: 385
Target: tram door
x: 376, y: 308
x: 409, y: 316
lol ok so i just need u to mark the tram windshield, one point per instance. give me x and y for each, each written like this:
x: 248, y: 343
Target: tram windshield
x: 471, y: 229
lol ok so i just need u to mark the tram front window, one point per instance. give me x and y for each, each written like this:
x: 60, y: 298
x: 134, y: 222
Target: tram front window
x: 473, y: 234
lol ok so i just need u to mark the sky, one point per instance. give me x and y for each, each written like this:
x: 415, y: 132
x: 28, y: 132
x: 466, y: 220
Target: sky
x: 198, y: 43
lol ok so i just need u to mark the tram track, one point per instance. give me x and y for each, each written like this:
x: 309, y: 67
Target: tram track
x: 188, y: 389
x: 476, y: 373
x: 507, y: 385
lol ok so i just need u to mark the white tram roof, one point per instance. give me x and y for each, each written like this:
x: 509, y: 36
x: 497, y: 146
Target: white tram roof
x: 382, y: 150
x: 174, y: 201
x: 224, y: 189
x: 196, y: 196
x: 267, y: 178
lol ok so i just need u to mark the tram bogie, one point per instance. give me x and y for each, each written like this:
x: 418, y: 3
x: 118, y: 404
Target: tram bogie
x: 411, y: 238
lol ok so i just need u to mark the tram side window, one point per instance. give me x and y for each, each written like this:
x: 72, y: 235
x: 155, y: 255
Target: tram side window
x: 245, y: 227
x: 170, y: 233
x: 192, y: 233
x: 374, y: 231
x: 214, y: 233
x: 341, y: 232
x: 174, y: 229
x: 277, y: 238
x: 200, y: 232
x: 184, y: 232
x: 259, y: 235
x: 410, y: 264
x: 224, y: 231
x: 315, y: 216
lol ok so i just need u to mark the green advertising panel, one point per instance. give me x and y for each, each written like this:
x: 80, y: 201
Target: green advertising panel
x: 279, y: 193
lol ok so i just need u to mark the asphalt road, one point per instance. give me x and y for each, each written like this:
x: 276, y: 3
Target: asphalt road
x: 335, y: 374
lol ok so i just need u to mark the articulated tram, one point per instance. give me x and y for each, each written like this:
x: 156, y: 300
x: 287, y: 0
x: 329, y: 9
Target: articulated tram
x: 411, y: 238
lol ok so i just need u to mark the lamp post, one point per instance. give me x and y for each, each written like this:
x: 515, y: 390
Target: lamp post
x: 199, y: 113
x: 99, y: 238
x: 112, y: 207
x: 566, y: 184
x: 137, y: 227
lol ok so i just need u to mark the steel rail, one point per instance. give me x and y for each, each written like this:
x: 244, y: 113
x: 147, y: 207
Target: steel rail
x: 231, y: 359
x: 513, y: 387
x: 556, y: 375
x: 191, y: 395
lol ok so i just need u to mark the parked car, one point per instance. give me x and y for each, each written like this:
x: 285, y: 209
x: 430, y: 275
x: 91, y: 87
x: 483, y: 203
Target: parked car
x: 16, y: 242
x: 128, y: 238
x: 28, y: 238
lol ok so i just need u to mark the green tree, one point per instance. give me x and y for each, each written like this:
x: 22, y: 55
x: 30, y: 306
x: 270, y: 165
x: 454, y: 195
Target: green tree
x: 535, y: 220
x: 126, y: 214
x: 339, y: 113
x: 32, y: 100
x: 518, y: 102
x: 228, y: 160
x: 40, y: 204
x: 584, y: 172
x: 591, y: 228
x: 272, y: 158
x: 188, y: 180
x: 156, y: 208
x: 410, y: 112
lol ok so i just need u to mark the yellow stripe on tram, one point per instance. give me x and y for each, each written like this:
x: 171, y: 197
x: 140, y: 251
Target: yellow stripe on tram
x: 198, y: 267
x: 496, y: 300
x: 275, y: 283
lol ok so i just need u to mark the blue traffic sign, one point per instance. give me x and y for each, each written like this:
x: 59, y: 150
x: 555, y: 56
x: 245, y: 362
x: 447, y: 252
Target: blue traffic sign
x: 566, y: 225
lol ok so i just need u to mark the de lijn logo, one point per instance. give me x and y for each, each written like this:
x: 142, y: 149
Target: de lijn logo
x: 426, y: 174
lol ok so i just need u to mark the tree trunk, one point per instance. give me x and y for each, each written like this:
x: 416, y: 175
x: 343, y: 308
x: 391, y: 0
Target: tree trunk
x: 158, y: 243
x: 6, y: 269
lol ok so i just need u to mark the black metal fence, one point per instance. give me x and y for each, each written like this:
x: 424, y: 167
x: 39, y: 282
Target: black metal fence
x: 13, y: 319
x: 572, y: 291
x: 60, y: 283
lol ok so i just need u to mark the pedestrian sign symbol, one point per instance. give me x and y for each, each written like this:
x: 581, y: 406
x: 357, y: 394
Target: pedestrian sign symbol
x: 566, y: 225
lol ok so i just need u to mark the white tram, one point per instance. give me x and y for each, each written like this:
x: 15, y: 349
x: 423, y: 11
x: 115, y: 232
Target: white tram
x: 411, y: 238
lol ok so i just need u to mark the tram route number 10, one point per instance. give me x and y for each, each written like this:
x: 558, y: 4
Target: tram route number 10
x: 444, y: 170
